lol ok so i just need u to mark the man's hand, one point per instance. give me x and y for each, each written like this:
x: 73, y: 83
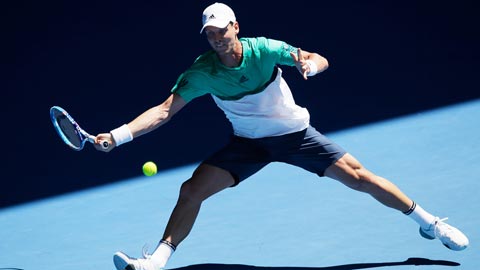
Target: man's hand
x: 104, y: 137
x: 301, y: 64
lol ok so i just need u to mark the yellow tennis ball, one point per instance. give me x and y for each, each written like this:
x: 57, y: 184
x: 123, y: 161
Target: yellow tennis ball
x: 149, y: 168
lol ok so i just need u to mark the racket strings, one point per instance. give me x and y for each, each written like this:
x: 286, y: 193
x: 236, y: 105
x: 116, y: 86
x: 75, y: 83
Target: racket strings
x: 69, y: 130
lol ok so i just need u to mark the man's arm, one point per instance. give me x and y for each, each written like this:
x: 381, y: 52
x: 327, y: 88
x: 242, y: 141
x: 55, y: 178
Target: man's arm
x: 156, y: 116
x: 146, y: 122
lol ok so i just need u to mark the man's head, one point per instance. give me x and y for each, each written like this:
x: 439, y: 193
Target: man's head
x: 217, y: 15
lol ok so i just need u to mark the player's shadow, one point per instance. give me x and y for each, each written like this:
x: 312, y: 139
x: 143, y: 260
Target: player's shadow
x: 409, y: 261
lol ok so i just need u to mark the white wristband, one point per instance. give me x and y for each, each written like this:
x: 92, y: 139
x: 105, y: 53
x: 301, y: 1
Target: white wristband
x: 313, y: 68
x: 122, y: 135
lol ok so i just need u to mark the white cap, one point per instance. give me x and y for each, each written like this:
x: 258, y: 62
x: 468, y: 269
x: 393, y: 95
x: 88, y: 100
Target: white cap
x: 218, y: 15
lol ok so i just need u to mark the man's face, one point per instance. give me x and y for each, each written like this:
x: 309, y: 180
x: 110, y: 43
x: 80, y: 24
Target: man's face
x: 222, y: 40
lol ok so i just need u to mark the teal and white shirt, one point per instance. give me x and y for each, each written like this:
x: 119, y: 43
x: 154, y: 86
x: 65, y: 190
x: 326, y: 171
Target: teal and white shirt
x: 256, y: 103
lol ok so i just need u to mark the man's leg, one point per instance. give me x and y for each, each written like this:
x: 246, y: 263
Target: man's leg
x: 350, y: 172
x: 205, y: 181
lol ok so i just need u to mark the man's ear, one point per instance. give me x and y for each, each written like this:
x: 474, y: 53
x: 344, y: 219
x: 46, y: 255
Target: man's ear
x: 237, y: 27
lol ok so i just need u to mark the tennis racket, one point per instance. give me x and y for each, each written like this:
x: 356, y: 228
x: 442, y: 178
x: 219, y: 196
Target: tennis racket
x: 70, y: 132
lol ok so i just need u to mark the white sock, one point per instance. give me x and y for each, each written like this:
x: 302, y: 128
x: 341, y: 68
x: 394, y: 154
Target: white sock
x: 422, y: 217
x: 162, y: 254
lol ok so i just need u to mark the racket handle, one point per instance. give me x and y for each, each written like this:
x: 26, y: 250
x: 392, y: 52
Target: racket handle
x: 104, y: 144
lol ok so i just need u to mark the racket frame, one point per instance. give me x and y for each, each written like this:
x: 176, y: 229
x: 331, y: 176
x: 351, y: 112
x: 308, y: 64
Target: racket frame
x: 82, y: 134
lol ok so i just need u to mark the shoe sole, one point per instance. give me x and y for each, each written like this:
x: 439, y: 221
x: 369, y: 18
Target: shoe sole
x: 119, y: 260
x: 425, y: 235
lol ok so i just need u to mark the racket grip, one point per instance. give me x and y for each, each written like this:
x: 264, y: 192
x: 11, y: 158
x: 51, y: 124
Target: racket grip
x: 104, y: 144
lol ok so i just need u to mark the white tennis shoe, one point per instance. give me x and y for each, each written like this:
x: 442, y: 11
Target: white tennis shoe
x: 123, y: 262
x: 450, y: 236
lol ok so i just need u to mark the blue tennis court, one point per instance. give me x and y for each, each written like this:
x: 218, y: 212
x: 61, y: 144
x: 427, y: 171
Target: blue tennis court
x: 281, y: 218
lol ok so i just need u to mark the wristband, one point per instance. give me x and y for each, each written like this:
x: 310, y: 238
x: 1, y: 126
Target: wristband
x: 122, y: 135
x: 313, y: 68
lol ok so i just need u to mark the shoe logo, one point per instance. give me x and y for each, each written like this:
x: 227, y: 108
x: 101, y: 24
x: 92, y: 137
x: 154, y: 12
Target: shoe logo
x: 243, y: 79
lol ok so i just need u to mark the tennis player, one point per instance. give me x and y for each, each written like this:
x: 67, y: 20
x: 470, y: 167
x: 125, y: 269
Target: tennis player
x: 244, y: 79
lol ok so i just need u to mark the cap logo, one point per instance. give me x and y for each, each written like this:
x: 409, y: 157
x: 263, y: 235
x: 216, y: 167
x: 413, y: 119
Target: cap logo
x: 217, y: 15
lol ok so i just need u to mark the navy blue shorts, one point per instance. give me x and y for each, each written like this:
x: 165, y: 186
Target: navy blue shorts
x: 307, y: 149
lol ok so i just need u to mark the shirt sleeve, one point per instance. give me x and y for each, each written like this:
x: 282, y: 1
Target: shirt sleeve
x: 186, y: 88
x: 281, y: 51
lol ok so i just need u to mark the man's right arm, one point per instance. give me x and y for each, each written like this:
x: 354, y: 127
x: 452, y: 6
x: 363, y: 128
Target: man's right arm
x: 146, y: 122
x: 156, y: 116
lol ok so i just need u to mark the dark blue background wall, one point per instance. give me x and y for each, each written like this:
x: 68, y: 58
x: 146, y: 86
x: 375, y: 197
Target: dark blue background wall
x: 108, y: 61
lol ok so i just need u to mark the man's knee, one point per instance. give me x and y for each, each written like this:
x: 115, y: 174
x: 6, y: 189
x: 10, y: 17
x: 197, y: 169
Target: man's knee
x: 352, y: 173
x: 205, y: 181
x: 190, y: 193
x: 365, y: 180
